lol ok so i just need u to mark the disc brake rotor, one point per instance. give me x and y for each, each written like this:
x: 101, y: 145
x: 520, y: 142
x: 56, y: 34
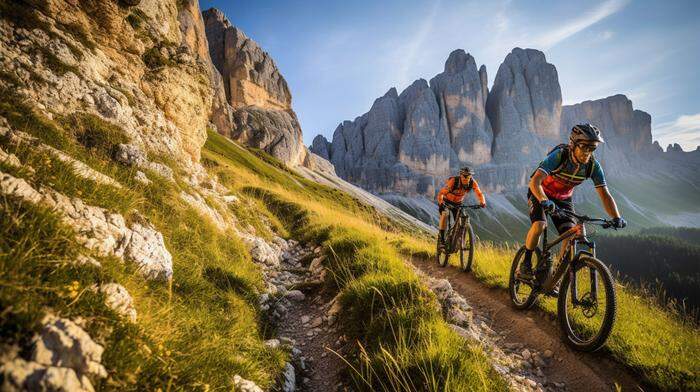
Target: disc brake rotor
x: 589, y: 306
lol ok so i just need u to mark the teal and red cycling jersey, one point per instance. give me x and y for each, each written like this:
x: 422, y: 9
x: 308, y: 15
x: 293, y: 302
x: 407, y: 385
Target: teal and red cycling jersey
x: 559, y: 183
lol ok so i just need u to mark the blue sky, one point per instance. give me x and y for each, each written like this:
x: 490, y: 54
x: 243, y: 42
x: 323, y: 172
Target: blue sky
x: 338, y: 56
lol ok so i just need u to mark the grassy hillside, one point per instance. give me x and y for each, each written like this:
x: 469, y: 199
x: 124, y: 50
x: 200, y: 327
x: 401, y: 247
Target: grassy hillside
x: 668, y: 266
x: 402, y: 341
x: 205, y: 322
x: 186, y: 333
x: 661, y: 346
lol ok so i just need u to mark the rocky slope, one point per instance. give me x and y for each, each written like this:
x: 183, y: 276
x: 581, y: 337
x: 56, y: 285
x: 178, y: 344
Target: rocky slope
x: 408, y: 143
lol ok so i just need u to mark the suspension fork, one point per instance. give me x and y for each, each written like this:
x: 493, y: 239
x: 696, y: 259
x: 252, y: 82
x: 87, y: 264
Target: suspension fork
x: 593, y: 276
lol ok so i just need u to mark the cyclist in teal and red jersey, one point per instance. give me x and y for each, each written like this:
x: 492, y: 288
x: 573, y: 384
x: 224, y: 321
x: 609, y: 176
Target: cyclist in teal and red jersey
x: 552, y: 185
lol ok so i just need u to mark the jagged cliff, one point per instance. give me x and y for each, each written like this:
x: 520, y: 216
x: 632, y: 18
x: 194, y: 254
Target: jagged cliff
x: 255, y: 89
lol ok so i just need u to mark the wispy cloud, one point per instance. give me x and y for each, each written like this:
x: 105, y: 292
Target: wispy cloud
x: 415, y: 44
x: 606, y: 35
x: 571, y: 27
x: 685, y: 130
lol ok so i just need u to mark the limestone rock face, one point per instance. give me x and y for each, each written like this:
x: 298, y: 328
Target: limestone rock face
x: 194, y: 36
x: 145, y: 77
x: 627, y: 132
x: 321, y: 147
x: 254, y: 87
x: 425, y: 145
x: 461, y: 92
x: 275, y: 131
x: 250, y: 75
x: 410, y: 142
x: 524, y: 107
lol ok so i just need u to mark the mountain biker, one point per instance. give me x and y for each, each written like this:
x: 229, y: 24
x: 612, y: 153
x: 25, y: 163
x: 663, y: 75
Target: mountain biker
x: 553, y: 182
x: 451, y: 195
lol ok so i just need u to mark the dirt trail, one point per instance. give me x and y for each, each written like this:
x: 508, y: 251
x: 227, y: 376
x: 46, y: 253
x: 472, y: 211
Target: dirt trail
x: 307, y: 324
x: 535, y: 329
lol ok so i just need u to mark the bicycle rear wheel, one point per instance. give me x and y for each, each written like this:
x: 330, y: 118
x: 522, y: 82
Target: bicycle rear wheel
x: 467, y: 245
x: 586, y: 310
x: 523, y: 293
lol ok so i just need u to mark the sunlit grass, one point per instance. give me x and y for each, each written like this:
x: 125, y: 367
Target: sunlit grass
x: 659, y: 345
x: 402, y: 341
x: 184, y: 337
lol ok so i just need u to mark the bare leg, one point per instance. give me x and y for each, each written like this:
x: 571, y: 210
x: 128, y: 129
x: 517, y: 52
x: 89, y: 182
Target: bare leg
x: 533, y: 235
x: 443, y: 219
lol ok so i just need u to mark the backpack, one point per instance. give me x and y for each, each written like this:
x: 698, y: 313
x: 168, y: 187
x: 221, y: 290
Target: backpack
x: 565, y: 158
x: 457, y: 183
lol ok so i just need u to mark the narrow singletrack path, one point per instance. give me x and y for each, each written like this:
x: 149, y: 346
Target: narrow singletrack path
x: 535, y: 329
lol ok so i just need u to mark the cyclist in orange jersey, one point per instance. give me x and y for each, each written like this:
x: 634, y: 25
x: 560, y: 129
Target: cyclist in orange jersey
x: 452, y: 194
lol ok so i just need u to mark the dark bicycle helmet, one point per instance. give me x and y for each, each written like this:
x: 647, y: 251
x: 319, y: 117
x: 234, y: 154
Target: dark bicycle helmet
x: 466, y: 170
x: 585, y: 133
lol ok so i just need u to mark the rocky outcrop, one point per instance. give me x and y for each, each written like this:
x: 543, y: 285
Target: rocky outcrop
x: 461, y: 92
x: 125, y: 64
x: 262, y: 116
x: 250, y: 75
x: 275, y: 131
x: 627, y: 131
x: 100, y: 230
x: 524, y: 106
x: 63, y: 358
x: 194, y: 36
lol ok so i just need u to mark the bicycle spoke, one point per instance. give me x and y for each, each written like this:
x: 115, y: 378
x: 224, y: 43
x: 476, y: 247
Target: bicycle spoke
x: 586, y: 307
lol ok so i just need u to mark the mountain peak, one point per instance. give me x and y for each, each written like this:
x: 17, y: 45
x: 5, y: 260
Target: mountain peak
x: 458, y: 61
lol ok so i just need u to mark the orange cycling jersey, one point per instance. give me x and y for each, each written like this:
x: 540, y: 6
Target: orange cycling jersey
x: 455, y: 192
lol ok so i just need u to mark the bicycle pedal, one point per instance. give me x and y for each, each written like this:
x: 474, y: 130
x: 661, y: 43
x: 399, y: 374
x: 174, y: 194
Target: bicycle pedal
x: 552, y: 293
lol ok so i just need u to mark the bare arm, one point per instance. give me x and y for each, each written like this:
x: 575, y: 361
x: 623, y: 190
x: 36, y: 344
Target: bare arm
x: 536, y: 185
x: 479, y: 194
x: 608, y: 201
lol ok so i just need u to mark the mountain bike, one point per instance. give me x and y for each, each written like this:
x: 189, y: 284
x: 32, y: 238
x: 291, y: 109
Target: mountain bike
x: 586, y: 312
x: 458, y: 238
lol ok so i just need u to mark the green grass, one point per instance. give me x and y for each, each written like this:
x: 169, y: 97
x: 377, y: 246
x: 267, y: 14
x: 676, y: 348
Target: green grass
x: 37, y: 274
x: 184, y: 336
x: 401, y: 340
x: 654, y: 342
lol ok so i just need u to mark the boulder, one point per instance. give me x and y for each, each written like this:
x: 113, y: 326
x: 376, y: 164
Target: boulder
x: 20, y: 375
x: 118, y: 298
x: 243, y: 385
x: 62, y: 343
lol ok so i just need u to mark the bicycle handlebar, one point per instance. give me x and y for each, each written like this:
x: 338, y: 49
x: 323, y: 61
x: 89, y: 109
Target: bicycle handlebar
x: 604, y: 223
x: 473, y: 206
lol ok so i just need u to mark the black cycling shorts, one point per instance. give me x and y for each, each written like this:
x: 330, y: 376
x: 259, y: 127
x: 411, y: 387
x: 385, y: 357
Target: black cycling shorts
x: 562, y: 223
x: 448, y: 204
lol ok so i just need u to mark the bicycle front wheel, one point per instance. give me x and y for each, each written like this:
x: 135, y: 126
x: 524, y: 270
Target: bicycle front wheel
x: 587, y: 304
x: 466, y: 249
x: 523, y: 293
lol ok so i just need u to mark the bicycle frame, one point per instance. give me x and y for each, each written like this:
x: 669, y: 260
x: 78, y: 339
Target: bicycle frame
x: 567, y: 262
x: 461, y: 219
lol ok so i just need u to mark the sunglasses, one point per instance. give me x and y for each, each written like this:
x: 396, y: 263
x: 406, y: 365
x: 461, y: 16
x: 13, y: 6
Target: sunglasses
x: 587, y: 147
